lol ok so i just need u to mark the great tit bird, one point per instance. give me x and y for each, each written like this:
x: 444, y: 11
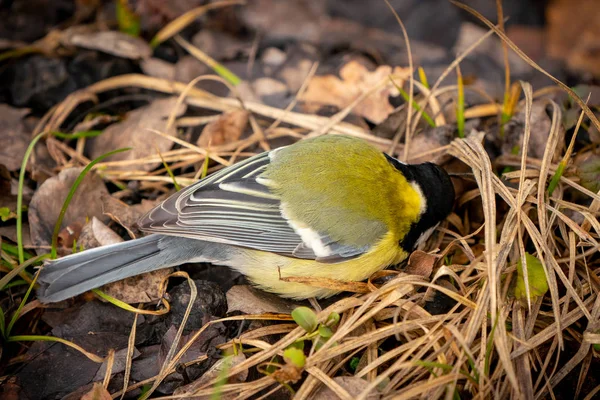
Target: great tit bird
x: 329, y: 207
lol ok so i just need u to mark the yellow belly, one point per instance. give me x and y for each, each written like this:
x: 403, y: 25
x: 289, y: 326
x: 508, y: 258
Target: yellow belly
x: 264, y: 269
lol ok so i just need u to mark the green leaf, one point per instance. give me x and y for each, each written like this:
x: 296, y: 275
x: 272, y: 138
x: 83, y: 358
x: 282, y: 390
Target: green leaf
x: 325, y: 332
x: 589, y: 173
x: 354, y: 363
x: 538, y: 285
x: 306, y: 318
x: 332, y: 319
x: 129, y: 22
x: 298, y: 345
x: 6, y: 214
x: 294, y: 356
x: 423, y: 77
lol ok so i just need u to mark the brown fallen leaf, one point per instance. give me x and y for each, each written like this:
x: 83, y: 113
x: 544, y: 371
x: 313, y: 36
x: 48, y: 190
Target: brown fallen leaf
x: 69, y: 235
x: 574, y: 33
x: 540, y: 129
x: 220, y: 45
x: 226, y: 129
x: 144, y: 288
x: 14, y: 137
x: 119, y: 363
x: 248, y: 300
x: 135, y: 132
x: 158, y: 68
x: 422, y: 146
x: 48, y: 200
x: 97, y: 393
x: 355, y: 80
x: 116, y: 43
x: 420, y: 263
x: 301, y: 20
x: 125, y: 215
x: 95, y: 234
x: 189, y: 68
x: 223, y: 365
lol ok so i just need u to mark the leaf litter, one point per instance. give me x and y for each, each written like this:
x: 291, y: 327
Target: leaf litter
x: 390, y: 341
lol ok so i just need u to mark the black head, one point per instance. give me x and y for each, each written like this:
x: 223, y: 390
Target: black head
x: 438, y: 191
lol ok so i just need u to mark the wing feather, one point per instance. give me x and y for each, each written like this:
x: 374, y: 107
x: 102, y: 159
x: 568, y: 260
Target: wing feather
x: 234, y: 206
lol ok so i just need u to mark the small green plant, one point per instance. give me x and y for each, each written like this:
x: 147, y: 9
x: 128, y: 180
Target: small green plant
x: 317, y: 333
x: 129, y: 22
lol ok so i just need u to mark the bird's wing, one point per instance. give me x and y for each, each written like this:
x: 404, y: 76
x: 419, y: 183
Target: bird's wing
x: 232, y: 207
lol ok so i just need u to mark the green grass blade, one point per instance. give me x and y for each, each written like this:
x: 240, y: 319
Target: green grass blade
x: 460, y: 107
x: 418, y: 108
x: 20, y: 196
x: 76, y: 184
x: 40, y: 338
x: 423, y: 77
x: 77, y: 135
x: 164, y: 163
x: 556, y: 178
x: 17, y: 313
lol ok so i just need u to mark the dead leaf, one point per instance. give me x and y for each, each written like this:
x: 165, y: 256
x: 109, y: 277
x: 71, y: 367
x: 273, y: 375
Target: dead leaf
x: 301, y: 20
x: 248, y: 300
x: 48, y: 200
x: 357, y: 79
x: 119, y: 363
x: 116, y: 43
x: 224, y: 364
x: 143, y: 288
x: 158, y: 68
x: 220, y: 45
x: 135, y: 132
x: 271, y: 91
x: 70, y: 235
x: 588, y: 171
x: 125, y: 215
x: 428, y: 140
x: 491, y: 48
x: 189, y: 68
x: 420, y: 263
x: 228, y: 128
x: 95, y: 234
x: 574, y: 33
x: 89, y: 124
x: 11, y: 388
x: 14, y: 137
x: 352, y: 384
x: 97, y: 393
x: 540, y: 129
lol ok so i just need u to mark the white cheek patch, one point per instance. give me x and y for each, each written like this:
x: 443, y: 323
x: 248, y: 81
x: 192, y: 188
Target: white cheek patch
x: 424, y: 236
x: 310, y: 237
x: 417, y: 189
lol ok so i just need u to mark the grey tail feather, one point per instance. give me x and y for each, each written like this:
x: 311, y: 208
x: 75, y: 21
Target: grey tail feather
x: 77, y: 273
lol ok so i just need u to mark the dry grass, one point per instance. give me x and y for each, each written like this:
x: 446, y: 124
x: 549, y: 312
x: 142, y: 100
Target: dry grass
x: 488, y: 345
